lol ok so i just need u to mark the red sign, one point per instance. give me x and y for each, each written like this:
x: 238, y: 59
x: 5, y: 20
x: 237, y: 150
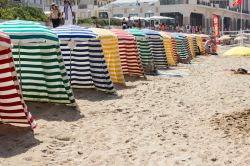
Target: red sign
x: 216, y: 28
x: 236, y: 2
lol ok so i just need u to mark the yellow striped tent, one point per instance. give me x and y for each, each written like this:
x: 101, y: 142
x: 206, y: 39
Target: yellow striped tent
x: 171, y: 56
x: 110, y: 47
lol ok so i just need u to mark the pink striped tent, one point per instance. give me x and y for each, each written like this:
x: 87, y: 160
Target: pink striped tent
x: 129, y: 54
x: 12, y: 107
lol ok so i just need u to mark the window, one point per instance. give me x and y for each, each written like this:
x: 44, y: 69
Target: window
x: 149, y: 15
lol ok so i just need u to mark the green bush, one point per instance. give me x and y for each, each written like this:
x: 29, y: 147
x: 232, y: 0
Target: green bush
x: 22, y: 13
x: 100, y: 21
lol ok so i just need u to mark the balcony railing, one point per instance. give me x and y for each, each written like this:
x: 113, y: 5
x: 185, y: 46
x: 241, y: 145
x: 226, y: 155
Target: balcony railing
x: 222, y: 6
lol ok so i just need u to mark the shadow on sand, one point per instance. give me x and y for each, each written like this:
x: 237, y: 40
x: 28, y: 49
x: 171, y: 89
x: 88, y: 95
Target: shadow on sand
x: 53, y: 112
x: 15, y: 140
x: 94, y: 95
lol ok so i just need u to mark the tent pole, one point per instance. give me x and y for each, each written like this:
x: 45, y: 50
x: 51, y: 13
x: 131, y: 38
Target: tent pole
x: 241, y: 23
x: 70, y: 65
x: 20, y: 67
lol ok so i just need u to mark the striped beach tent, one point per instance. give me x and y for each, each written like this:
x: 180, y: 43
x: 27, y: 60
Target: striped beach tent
x: 110, y: 47
x: 129, y: 54
x: 143, y: 46
x: 39, y: 62
x: 200, y: 45
x: 157, y: 47
x: 13, y: 110
x: 182, y: 48
x: 169, y: 50
x: 195, y: 44
x: 84, y: 58
x: 191, y: 45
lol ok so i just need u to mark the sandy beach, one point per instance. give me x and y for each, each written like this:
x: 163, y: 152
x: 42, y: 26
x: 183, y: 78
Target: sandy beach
x: 200, y: 119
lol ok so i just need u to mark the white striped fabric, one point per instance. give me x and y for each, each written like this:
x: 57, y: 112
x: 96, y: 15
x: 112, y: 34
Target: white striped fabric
x: 157, y: 48
x: 12, y: 107
x: 85, y: 63
x: 39, y: 62
x: 129, y: 53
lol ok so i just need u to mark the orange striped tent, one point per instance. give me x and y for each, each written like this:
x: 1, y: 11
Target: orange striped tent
x: 12, y: 107
x: 109, y: 42
x: 129, y: 54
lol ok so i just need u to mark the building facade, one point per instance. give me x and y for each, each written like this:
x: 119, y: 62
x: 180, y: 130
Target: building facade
x: 192, y: 12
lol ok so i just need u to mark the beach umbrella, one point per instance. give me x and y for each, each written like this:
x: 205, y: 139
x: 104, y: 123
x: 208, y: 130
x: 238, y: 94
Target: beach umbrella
x: 157, y: 48
x: 239, y: 38
x: 13, y: 109
x: 129, y: 54
x: 143, y: 46
x: 39, y: 62
x: 169, y: 49
x: 225, y: 37
x: 238, y: 51
x: 160, y: 18
x: 83, y: 58
x: 109, y: 42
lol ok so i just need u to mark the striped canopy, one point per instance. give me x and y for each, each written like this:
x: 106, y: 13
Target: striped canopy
x: 143, y: 45
x: 85, y: 63
x: 12, y: 107
x: 182, y: 47
x: 129, y: 54
x: 39, y: 62
x: 110, y: 47
x: 157, y: 48
x: 169, y: 49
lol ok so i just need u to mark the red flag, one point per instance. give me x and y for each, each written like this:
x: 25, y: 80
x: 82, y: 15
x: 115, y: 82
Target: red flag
x: 236, y: 2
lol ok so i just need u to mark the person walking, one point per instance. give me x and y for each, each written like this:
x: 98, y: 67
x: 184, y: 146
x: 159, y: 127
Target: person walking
x: 67, y: 13
x: 55, y: 15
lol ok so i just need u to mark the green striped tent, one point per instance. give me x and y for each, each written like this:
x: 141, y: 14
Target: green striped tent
x: 39, y: 62
x: 143, y: 45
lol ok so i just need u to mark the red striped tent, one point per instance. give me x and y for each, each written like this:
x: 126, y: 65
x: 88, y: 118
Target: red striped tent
x: 129, y: 53
x: 12, y: 107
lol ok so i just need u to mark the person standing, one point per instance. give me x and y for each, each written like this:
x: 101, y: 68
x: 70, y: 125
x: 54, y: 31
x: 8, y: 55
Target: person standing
x: 130, y: 23
x: 67, y: 13
x: 163, y: 27
x: 55, y: 15
x: 124, y: 24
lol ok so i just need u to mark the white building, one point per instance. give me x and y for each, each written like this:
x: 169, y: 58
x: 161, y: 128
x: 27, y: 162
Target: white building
x: 193, y: 12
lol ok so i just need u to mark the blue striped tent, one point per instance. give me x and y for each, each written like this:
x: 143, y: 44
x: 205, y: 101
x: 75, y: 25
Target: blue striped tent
x: 157, y: 47
x: 83, y: 58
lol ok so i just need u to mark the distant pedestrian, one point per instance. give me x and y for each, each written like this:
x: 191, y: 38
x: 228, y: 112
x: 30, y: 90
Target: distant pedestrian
x: 188, y: 28
x: 157, y: 26
x: 124, y: 23
x: 55, y: 15
x: 130, y: 23
x: 163, y: 27
x: 68, y: 13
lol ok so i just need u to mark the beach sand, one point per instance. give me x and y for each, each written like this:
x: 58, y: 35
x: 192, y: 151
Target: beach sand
x: 202, y: 118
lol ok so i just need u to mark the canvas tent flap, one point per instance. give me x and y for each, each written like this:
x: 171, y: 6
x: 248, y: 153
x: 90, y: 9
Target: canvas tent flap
x: 157, y: 48
x: 129, y: 54
x: 110, y: 47
x: 85, y: 63
x: 13, y: 110
x: 143, y: 46
x: 39, y: 65
x: 169, y: 50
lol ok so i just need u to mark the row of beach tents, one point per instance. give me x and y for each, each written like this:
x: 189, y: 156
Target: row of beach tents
x: 43, y: 65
